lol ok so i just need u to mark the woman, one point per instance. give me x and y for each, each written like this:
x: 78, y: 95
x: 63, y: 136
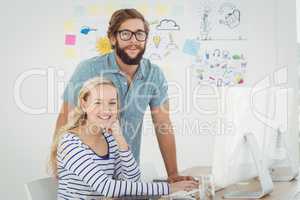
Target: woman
x: 90, y: 156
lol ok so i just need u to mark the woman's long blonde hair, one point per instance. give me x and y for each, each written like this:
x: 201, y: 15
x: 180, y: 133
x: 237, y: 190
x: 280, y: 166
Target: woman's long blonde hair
x: 76, y: 117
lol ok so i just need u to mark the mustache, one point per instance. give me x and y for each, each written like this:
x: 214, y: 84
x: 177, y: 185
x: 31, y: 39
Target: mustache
x: 136, y: 46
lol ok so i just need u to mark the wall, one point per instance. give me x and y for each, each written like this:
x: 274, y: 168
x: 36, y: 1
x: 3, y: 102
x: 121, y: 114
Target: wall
x: 32, y: 38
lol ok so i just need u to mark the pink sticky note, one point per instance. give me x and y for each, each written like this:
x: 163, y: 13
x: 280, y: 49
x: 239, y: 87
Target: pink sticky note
x: 70, y: 39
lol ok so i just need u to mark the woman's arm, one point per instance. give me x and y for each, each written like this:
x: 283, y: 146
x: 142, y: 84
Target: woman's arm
x: 76, y: 159
x: 127, y: 167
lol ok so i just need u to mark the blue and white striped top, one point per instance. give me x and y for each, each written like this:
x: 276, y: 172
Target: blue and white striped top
x: 83, y: 174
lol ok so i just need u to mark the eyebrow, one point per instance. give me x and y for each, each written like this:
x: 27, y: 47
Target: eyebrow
x: 102, y: 99
x: 131, y: 30
x: 140, y: 30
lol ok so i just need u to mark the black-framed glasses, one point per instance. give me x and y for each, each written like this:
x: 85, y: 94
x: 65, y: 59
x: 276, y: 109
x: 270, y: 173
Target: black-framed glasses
x: 126, y: 35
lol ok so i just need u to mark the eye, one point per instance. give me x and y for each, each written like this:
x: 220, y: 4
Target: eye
x: 126, y: 33
x: 140, y: 33
x: 97, y: 102
x: 113, y: 103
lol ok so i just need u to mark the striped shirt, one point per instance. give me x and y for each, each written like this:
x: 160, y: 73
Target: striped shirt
x: 83, y: 174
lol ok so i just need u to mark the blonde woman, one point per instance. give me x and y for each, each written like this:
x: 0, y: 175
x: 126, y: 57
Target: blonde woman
x: 90, y: 156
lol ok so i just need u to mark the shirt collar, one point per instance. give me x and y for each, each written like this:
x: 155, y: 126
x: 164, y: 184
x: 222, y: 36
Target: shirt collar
x: 115, y: 68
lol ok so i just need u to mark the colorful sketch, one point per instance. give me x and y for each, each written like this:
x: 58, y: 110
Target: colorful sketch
x: 161, y: 41
x: 205, y: 24
x: 220, y: 67
x: 168, y: 24
x: 85, y: 30
x: 220, y: 20
x: 191, y: 47
x: 231, y: 16
x: 103, y: 46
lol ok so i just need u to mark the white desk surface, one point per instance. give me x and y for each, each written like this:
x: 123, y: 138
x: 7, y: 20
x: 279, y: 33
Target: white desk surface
x: 281, y: 191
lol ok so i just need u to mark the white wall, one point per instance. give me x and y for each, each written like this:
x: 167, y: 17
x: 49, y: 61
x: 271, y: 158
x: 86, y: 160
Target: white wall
x: 287, y: 56
x: 32, y: 37
x: 298, y: 20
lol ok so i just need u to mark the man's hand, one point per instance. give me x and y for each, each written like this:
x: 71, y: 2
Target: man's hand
x: 177, y: 178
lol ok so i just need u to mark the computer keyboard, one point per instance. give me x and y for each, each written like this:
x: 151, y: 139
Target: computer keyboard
x: 244, y: 194
x: 184, y: 195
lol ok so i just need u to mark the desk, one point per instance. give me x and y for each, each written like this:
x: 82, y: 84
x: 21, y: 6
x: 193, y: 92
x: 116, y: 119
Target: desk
x: 281, y: 190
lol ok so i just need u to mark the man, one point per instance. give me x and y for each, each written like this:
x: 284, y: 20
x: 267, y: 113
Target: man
x: 140, y: 83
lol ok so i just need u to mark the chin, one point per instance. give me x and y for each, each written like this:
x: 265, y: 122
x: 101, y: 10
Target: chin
x: 102, y: 122
x: 132, y: 56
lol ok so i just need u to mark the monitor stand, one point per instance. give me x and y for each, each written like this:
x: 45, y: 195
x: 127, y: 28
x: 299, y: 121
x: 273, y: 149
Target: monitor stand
x: 284, y: 168
x: 265, y: 181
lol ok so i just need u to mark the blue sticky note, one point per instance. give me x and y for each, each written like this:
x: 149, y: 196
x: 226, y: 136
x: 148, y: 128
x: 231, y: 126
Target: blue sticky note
x: 191, y: 47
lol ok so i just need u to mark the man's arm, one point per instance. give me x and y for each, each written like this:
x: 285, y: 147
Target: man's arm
x: 166, y: 140
x: 165, y: 136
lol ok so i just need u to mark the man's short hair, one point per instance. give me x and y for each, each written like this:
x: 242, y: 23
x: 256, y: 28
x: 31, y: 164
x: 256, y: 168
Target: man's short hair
x: 120, y: 16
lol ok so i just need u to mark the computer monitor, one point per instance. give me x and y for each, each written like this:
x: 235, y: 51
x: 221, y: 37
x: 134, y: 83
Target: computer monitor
x: 278, y: 144
x: 238, y: 155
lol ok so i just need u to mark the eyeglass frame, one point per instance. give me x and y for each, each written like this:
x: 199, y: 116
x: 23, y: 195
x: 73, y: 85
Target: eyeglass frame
x: 133, y: 33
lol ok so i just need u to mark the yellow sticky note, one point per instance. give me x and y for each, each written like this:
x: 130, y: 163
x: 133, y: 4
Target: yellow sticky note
x: 109, y: 9
x: 69, y: 26
x: 93, y: 10
x: 70, y: 53
x: 162, y: 9
x: 143, y: 8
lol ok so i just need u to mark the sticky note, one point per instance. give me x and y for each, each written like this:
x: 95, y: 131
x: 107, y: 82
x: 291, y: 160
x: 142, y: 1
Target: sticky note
x: 110, y: 8
x: 70, y: 53
x: 143, y: 8
x: 70, y: 39
x: 161, y: 9
x: 177, y: 10
x: 79, y: 11
x: 94, y: 10
x: 69, y: 26
x: 191, y: 47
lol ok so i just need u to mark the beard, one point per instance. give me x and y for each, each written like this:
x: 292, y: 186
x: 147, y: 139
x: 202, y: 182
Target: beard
x: 126, y: 58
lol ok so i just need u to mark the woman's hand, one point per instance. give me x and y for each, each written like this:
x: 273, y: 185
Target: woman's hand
x: 115, y: 129
x: 116, y: 132
x: 184, y: 186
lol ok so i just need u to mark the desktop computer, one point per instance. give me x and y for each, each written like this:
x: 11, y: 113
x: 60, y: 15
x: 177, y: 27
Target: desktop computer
x: 239, y: 156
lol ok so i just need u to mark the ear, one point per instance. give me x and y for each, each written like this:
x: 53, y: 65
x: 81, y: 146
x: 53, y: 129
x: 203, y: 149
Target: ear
x: 113, y: 40
x: 83, y: 105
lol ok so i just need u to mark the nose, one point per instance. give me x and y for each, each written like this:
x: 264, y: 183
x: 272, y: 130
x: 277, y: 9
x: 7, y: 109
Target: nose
x: 106, y: 110
x: 133, y: 39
